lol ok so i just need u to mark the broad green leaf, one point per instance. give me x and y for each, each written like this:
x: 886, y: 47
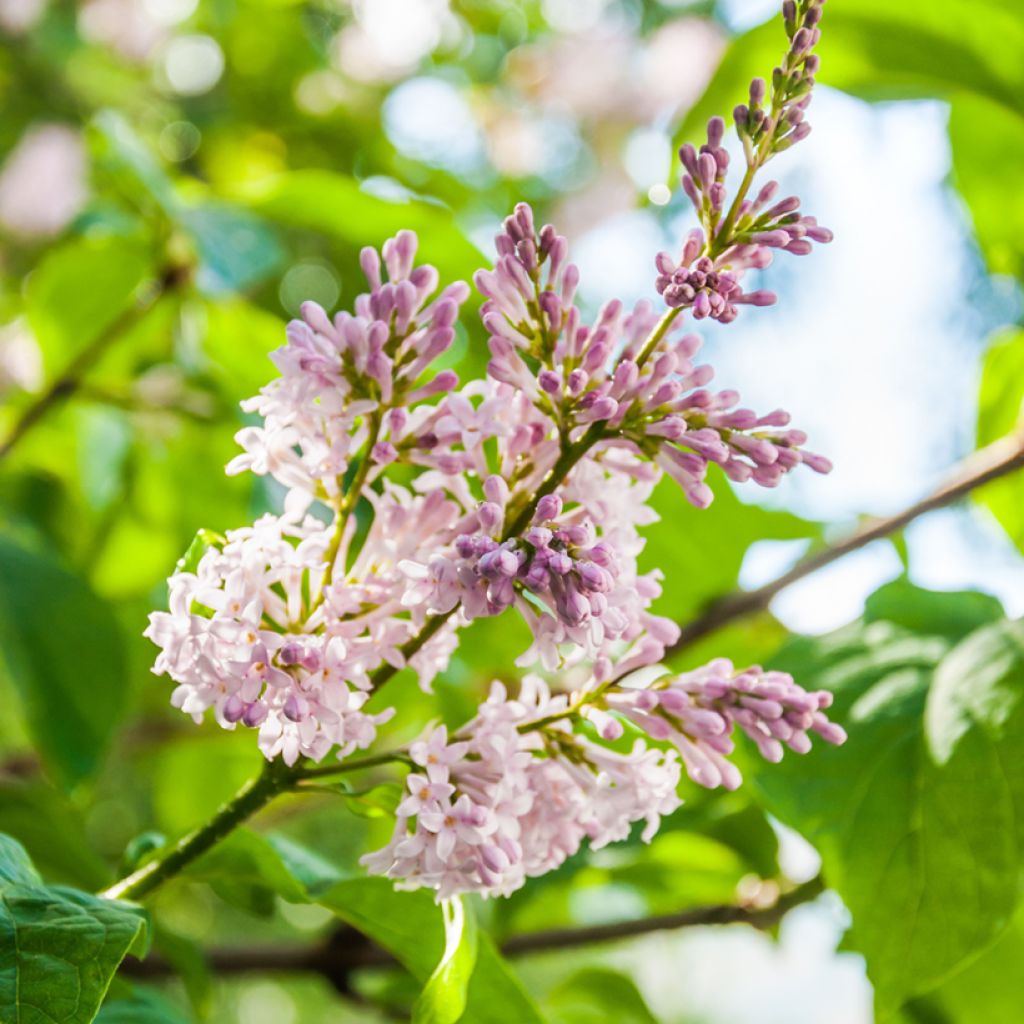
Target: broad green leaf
x: 595, y: 995
x: 923, y: 849
x: 81, y: 288
x: 236, y: 250
x: 409, y: 926
x: 999, y: 412
x: 987, y: 990
x: 61, y: 646
x: 334, y: 204
x: 443, y: 999
x: 59, y: 947
x: 881, y: 51
x: 950, y: 614
x: 143, y: 1006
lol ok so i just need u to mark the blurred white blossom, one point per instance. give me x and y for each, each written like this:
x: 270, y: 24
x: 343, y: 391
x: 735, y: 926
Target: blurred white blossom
x: 43, y: 181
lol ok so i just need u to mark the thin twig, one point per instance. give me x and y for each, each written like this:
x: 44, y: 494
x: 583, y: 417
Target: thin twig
x: 347, y: 950
x: 998, y: 459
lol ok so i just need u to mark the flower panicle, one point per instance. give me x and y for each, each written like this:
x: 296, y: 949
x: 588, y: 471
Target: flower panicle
x: 415, y: 504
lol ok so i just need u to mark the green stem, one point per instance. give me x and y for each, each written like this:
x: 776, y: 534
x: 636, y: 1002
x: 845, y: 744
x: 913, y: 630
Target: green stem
x: 322, y: 771
x: 347, y: 507
x: 275, y: 779
x: 659, y: 332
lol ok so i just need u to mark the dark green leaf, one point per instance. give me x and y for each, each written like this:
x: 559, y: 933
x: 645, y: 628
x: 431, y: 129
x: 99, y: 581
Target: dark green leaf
x: 59, y: 948
x: 142, y: 1007
x: 916, y: 833
x: 61, y: 646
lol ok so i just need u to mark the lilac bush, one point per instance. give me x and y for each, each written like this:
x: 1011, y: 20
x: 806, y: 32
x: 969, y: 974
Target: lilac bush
x: 522, y: 492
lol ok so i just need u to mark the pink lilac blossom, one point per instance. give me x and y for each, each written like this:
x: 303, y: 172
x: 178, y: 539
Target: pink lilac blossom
x: 238, y: 639
x: 506, y: 804
x: 699, y: 711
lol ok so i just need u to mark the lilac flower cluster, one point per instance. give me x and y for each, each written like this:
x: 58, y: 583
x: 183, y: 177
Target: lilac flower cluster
x: 510, y: 802
x: 526, y: 491
x: 699, y: 711
x: 707, y: 278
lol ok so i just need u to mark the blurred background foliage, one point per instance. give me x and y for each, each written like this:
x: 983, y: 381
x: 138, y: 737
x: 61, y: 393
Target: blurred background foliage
x: 175, y: 178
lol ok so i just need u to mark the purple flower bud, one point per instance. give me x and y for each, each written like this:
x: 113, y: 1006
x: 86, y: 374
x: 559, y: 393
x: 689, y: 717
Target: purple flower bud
x: 549, y: 507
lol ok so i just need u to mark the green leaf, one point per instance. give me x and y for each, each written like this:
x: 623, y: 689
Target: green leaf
x: 986, y: 991
x: 443, y: 999
x: 59, y: 948
x: 950, y: 614
x: 61, y: 646
x: 236, y: 250
x: 999, y: 412
x: 143, y: 1006
x: 701, y: 551
x: 79, y: 289
x: 335, y: 205
x: 595, y: 995
x: 46, y: 823
x: 882, y: 51
x: 239, y: 340
x: 988, y: 153
x: 126, y: 156
x: 247, y: 868
x: 409, y: 926
x: 917, y: 832
x: 203, y: 541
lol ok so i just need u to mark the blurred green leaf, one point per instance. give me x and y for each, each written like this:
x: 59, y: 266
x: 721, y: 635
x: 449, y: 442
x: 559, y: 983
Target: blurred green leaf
x: 987, y: 990
x: 922, y: 848
x: 50, y: 828
x: 62, y: 648
x: 334, y: 204
x: 79, y: 289
x: 238, y: 341
x: 128, y: 159
x: 61, y: 946
x: 246, y: 867
x: 443, y: 999
x: 988, y: 153
x: 143, y: 1006
x: 700, y: 551
x: 236, y: 250
x: 999, y: 412
x: 950, y: 614
x: 882, y: 51
x: 595, y: 995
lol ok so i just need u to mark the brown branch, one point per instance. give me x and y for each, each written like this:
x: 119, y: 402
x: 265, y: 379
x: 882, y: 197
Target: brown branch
x: 70, y: 380
x: 347, y: 950
x: 996, y: 460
